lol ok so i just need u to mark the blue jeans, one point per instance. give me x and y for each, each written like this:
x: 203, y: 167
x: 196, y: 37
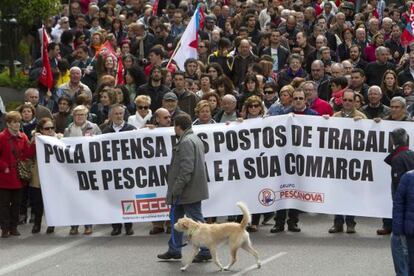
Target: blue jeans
x: 399, y: 255
x: 192, y: 210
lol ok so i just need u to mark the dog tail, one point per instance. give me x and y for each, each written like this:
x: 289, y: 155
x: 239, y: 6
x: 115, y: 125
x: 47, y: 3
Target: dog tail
x: 246, y: 214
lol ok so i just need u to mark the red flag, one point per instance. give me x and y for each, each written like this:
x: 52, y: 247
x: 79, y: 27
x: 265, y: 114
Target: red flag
x: 108, y: 49
x: 46, y: 78
x: 155, y: 8
x: 120, y: 73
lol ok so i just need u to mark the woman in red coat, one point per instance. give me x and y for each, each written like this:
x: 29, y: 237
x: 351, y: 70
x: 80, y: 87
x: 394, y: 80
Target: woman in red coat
x: 14, y: 146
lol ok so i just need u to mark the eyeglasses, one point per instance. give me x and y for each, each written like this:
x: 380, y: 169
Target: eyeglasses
x: 142, y: 107
x: 298, y: 98
x: 348, y: 100
x: 48, y: 128
x: 254, y: 105
x: 268, y: 92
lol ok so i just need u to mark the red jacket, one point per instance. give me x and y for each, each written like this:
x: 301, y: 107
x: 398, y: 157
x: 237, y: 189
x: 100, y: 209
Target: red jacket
x: 8, y: 160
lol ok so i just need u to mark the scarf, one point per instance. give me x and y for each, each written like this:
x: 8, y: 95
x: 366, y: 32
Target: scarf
x: 139, y: 121
x: 337, y: 97
x: 141, y: 54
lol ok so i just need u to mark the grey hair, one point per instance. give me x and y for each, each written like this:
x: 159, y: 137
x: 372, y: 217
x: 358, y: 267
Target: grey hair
x: 374, y: 87
x: 399, y: 137
x: 400, y: 100
x: 380, y: 50
x: 29, y: 90
x: 230, y: 97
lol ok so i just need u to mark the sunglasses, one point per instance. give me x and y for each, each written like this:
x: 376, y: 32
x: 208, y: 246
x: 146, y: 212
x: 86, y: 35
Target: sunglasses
x: 298, y: 98
x: 254, y: 105
x: 142, y: 107
x: 48, y: 128
x: 268, y: 92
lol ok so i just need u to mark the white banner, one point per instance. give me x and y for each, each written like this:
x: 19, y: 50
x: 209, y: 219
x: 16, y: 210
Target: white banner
x: 332, y: 166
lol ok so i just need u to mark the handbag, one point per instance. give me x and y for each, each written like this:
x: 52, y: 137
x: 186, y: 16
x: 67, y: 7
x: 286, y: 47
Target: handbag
x: 24, y: 167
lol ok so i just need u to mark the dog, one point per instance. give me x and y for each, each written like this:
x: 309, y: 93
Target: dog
x: 212, y: 235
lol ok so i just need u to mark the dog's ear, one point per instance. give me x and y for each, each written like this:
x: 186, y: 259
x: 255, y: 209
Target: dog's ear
x: 185, y: 224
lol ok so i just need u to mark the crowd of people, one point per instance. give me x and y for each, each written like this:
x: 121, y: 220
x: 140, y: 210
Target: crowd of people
x: 255, y: 58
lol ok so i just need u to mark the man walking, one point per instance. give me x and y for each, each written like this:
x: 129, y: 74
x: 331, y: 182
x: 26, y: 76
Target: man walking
x: 187, y: 185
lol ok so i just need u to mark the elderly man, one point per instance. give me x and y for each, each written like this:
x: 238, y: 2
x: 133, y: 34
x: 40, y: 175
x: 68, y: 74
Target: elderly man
x: 187, y: 185
x: 376, y: 69
x: 162, y: 119
x: 298, y: 107
x: 117, y: 124
x: 74, y: 87
x: 401, y: 160
x: 170, y: 103
x: 32, y: 95
x: 313, y: 100
x: 375, y: 109
x: 229, y: 111
x: 348, y: 111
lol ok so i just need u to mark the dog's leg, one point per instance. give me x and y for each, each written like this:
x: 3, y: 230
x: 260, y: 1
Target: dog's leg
x: 233, y: 253
x: 213, y: 251
x: 190, y: 258
x: 247, y: 245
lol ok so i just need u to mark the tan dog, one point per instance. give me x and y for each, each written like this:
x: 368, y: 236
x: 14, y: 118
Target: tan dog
x: 211, y: 235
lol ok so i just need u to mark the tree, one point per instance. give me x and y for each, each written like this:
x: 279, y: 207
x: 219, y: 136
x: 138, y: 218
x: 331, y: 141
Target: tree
x: 19, y: 16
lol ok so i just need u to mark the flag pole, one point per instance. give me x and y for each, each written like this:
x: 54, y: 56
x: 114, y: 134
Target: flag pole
x: 179, y: 43
x: 175, y: 51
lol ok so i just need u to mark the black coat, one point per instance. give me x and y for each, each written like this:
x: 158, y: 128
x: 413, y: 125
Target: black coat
x: 401, y: 161
x: 405, y: 76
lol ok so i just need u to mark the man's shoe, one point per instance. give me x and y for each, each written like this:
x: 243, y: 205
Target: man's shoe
x: 5, y: 233
x: 293, y: 228
x: 50, y: 230
x: 168, y: 256
x: 199, y: 258
x: 14, y: 232
x: 336, y: 229
x: 156, y: 230
x: 36, y: 229
x: 277, y: 229
x: 129, y: 232
x: 74, y: 231
x: 383, y: 231
x: 116, y: 231
x: 88, y: 230
x: 350, y: 229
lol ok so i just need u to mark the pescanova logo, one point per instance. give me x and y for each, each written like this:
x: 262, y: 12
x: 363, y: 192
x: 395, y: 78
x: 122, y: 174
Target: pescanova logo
x: 145, y: 204
x: 266, y: 197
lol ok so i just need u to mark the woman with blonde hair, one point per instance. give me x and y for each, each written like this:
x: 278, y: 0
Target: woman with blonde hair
x: 203, y: 113
x: 143, y: 114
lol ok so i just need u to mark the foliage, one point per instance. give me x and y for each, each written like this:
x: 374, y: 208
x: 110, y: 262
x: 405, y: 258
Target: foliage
x: 28, y: 11
x: 20, y: 81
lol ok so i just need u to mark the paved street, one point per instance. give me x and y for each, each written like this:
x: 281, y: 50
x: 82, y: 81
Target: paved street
x: 312, y: 252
